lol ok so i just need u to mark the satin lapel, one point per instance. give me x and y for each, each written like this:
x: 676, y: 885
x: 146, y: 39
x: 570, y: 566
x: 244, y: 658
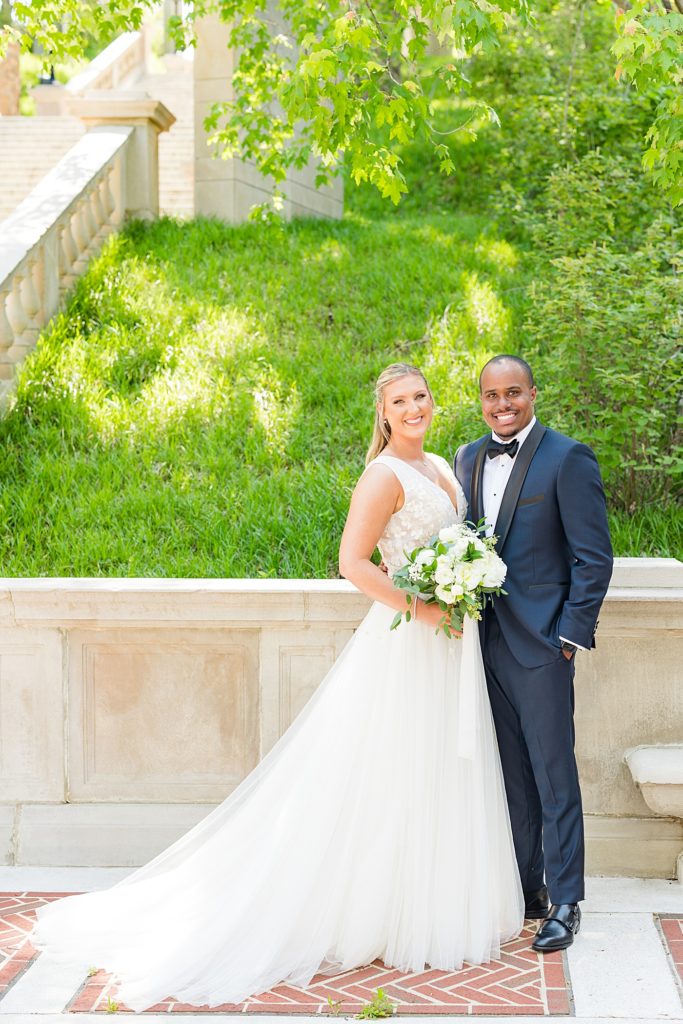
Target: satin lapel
x: 476, y: 504
x: 514, y: 487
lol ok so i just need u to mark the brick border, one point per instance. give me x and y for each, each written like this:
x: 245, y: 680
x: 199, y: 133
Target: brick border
x: 670, y: 928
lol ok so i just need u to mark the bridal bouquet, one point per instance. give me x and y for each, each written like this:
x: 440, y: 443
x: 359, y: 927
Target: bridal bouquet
x: 456, y: 571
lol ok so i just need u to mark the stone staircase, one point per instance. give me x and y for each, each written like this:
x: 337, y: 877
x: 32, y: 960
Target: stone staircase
x: 29, y: 148
x: 176, y: 147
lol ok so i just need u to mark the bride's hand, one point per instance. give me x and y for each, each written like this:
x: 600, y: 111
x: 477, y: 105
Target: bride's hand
x: 431, y: 615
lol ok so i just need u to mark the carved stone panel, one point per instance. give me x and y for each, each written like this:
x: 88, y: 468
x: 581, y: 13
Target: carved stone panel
x: 160, y: 716
x: 293, y: 664
x: 31, y: 715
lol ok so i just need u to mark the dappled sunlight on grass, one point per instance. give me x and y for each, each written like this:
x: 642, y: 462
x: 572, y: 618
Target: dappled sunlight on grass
x: 332, y: 251
x: 276, y: 408
x: 500, y: 254
x: 483, y: 314
x: 204, y: 406
x: 470, y: 331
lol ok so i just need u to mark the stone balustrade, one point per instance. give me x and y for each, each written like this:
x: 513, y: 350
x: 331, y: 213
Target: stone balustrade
x: 49, y: 239
x: 119, y: 65
x: 129, y: 707
x: 111, y: 173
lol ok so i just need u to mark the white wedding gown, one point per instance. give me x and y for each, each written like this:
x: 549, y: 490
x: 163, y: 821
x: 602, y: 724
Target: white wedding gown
x: 377, y: 827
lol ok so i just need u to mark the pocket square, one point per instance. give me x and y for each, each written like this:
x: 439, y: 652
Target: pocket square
x: 530, y: 501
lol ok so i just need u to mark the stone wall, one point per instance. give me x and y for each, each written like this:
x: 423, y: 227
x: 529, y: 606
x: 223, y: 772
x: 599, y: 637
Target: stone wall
x: 230, y: 188
x: 129, y: 707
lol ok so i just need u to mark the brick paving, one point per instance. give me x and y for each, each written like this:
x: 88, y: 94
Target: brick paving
x: 522, y: 983
x: 671, y: 928
x: 17, y: 914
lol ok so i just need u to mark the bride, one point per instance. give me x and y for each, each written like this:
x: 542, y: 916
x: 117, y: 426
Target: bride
x: 376, y: 827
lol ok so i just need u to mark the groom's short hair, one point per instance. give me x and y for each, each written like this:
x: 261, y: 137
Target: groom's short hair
x: 505, y: 358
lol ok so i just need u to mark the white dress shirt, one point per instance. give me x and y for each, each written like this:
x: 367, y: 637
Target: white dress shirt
x: 496, y: 475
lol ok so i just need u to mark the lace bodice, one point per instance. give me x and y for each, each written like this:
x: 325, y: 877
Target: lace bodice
x: 426, y: 510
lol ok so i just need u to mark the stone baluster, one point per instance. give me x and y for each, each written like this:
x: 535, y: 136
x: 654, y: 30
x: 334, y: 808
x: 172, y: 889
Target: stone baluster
x: 108, y: 198
x: 68, y: 254
x: 30, y: 294
x: 80, y: 237
x: 100, y: 210
x: 114, y: 193
x: 90, y: 221
x: 17, y: 318
x: 6, y: 335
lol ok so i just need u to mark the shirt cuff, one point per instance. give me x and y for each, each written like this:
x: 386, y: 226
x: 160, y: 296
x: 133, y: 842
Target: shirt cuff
x: 573, y: 643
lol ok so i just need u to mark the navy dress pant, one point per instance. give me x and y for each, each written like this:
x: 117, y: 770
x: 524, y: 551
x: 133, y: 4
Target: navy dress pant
x: 533, y: 711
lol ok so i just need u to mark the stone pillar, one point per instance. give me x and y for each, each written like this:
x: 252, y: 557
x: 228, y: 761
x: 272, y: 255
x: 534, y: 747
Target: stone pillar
x: 148, y: 117
x: 50, y: 99
x: 229, y: 188
x: 10, y: 82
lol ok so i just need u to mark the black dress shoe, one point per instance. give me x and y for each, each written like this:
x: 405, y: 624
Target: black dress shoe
x: 558, y: 929
x: 536, y: 904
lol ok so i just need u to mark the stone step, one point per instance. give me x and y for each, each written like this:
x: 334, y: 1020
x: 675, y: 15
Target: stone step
x: 29, y: 148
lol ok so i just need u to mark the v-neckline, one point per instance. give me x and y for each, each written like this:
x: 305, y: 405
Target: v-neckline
x: 423, y: 476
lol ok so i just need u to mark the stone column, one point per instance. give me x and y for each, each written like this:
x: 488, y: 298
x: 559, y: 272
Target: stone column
x: 10, y: 82
x: 229, y: 188
x: 148, y: 117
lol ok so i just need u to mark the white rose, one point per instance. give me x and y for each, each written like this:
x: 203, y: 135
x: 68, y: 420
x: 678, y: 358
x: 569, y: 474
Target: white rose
x: 425, y: 557
x: 494, y: 570
x: 451, y: 533
x: 444, y: 570
x: 460, y: 547
x: 469, y: 575
x: 444, y: 595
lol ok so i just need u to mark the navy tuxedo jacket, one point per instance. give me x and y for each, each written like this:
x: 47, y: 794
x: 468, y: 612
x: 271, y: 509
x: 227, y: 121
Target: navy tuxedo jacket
x: 553, y: 535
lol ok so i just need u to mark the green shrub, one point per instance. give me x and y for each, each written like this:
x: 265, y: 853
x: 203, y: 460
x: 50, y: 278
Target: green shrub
x: 607, y: 332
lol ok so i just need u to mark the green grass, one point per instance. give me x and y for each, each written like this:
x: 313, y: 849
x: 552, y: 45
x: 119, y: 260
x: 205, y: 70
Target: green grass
x: 649, y: 532
x: 203, y: 406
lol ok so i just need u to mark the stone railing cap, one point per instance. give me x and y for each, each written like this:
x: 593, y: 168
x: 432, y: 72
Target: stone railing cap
x: 60, y: 187
x: 647, y: 573
x: 100, y: 64
x: 121, y: 107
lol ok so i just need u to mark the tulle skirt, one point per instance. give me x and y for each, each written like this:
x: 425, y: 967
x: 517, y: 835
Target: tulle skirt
x: 377, y: 827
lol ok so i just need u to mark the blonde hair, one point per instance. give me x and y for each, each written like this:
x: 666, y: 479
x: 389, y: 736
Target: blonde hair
x: 381, y: 432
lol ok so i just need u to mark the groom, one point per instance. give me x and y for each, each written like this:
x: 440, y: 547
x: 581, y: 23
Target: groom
x: 541, y: 494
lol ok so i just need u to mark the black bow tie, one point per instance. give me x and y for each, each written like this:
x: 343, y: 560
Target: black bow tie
x: 497, y: 448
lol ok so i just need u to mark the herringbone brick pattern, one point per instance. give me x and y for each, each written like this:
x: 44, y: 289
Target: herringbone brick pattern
x: 17, y: 914
x: 522, y: 983
x: 672, y: 932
